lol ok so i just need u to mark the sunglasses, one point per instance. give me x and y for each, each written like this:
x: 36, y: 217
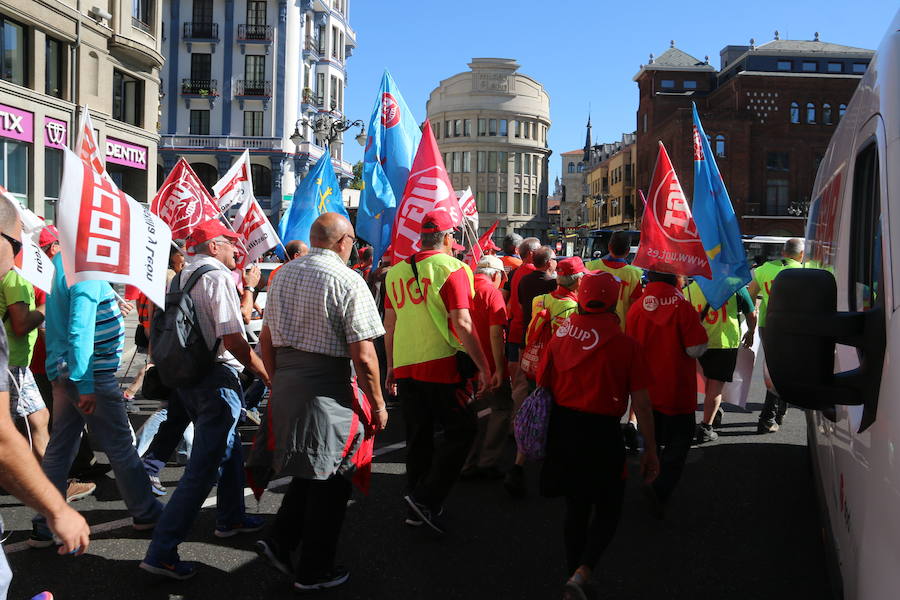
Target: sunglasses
x: 16, y: 244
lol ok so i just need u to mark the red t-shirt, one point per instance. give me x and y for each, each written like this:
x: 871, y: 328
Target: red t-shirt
x: 39, y: 357
x: 665, y: 324
x: 455, y: 294
x: 516, y: 317
x: 488, y: 309
x: 591, y: 366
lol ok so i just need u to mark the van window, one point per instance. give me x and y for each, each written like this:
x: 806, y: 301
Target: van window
x: 865, y: 241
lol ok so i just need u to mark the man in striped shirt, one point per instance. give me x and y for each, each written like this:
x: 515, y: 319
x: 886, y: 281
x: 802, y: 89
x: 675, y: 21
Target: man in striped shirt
x: 85, y: 336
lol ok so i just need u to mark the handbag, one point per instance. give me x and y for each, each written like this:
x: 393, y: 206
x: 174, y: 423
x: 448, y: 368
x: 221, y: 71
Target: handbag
x: 531, y: 424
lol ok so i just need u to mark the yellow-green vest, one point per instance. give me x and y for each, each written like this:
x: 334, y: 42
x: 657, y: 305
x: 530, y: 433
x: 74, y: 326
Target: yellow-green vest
x: 765, y: 275
x: 631, y: 278
x: 722, y: 326
x: 559, y: 309
x: 422, y: 332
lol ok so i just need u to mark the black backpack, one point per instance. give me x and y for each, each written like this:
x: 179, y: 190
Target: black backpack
x: 177, y: 346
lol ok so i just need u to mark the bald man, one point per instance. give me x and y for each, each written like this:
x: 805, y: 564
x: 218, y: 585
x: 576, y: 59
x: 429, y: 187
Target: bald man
x: 319, y: 318
x: 296, y: 249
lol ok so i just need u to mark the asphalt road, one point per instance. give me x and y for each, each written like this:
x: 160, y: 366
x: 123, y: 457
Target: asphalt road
x: 743, y: 524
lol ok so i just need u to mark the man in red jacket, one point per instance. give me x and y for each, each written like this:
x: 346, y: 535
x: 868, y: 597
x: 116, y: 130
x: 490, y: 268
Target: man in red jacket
x: 666, y: 326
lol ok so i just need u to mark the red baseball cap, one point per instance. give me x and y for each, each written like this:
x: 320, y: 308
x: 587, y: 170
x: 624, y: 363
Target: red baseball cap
x: 438, y: 220
x: 49, y: 234
x: 571, y: 266
x: 492, y: 246
x: 598, y: 292
x: 457, y: 247
x: 208, y: 230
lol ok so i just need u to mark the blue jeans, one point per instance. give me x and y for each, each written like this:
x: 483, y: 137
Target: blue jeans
x: 214, y: 406
x: 111, y: 431
x: 148, y: 431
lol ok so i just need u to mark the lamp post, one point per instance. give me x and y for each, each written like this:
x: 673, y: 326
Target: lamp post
x: 327, y: 128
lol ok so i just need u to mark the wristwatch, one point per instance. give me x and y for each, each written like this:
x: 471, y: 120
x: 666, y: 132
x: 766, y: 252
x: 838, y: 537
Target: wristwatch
x: 247, y: 288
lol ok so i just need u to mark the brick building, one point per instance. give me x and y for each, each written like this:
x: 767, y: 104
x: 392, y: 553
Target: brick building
x: 769, y: 111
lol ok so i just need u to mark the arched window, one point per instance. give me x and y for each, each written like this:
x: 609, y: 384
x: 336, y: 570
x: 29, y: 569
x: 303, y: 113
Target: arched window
x: 208, y: 174
x: 571, y: 168
x: 826, y: 114
x: 262, y: 180
x: 720, y: 145
x: 810, y: 113
x: 581, y: 167
x: 842, y: 110
x: 795, y: 112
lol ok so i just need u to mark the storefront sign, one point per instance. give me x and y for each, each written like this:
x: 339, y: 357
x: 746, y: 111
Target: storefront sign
x: 16, y: 124
x: 56, y: 133
x: 128, y: 155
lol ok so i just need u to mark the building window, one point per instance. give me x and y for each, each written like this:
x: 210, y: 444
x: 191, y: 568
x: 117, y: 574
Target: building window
x: 492, y: 127
x: 53, y: 161
x: 835, y: 67
x: 201, y: 70
x: 456, y: 165
x: 720, y: 146
x: 256, y: 12
x: 777, y: 197
x: 518, y: 170
x: 334, y: 42
x: 492, y: 202
x: 517, y: 203
x: 667, y: 83
x: 502, y: 207
x: 527, y: 161
x: 795, y: 112
x: 466, y: 162
x: 253, y: 123
x: 581, y: 167
x: 207, y: 174
x: 492, y: 162
x: 517, y: 128
x: 810, y: 67
x: 14, y: 166
x: 503, y: 130
x: 457, y: 128
x: 645, y: 122
x: 482, y: 126
x: 128, y: 98
x: 810, y: 113
x: 202, y: 14
x: 859, y: 68
x: 14, y: 53
x: 842, y: 110
x: 479, y: 201
x: 199, y: 122
x: 482, y: 161
x: 571, y: 168
x: 778, y: 161
x: 436, y: 128
x: 534, y: 167
x: 690, y: 85
x: 467, y: 128
x: 262, y: 180
x: 504, y: 162
x: 784, y: 65
x: 55, y: 58
x: 142, y: 14
x: 826, y: 114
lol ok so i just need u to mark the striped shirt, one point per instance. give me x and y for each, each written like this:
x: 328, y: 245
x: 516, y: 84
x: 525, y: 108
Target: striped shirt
x: 317, y: 304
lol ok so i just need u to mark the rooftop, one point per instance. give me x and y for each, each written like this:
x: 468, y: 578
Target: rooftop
x: 674, y: 59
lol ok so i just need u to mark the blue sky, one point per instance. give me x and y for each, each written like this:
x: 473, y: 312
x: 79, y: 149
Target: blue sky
x: 583, y: 51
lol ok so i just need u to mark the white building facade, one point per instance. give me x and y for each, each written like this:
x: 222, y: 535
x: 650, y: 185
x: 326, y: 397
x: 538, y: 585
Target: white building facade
x: 247, y: 74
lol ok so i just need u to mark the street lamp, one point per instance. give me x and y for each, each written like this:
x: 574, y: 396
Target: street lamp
x: 328, y: 128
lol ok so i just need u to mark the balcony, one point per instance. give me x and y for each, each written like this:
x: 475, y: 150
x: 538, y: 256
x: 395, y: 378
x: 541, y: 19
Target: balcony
x: 219, y: 142
x: 255, y: 34
x: 312, y: 49
x: 201, y: 32
x: 138, y: 24
x: 253, y: 89
x: 199, y: 88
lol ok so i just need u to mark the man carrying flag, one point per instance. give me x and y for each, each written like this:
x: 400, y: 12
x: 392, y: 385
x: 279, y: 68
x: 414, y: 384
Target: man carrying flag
x: 390, y: 149
x: 317, y: 194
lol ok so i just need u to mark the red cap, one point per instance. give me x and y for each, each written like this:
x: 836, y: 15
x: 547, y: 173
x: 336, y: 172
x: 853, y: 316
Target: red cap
x: 208, y: 230
x: 492, y: 246
x: 437, y: 220
x: 49, y: 234
x: 571, y: 266
x: 598, y: 292
x: 457, y: 247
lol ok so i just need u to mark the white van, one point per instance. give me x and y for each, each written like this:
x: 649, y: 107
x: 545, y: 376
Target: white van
x: 832, y: 339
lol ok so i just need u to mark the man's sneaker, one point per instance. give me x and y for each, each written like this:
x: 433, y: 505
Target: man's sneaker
x: 76, y: 490
x: 252, y: 415
x: 180, y: 569
x: 141, y: 525
x: 574, y: 591
x: 413, y: 519
x: 157, y: 486
x: 720, y: 414
x: 268, y: 550
x: 428, y: 517
x: 705, y: 433
x: 630, y: 435
x: 337, y: 576
x: 248, y: 524
x: 514, y: 482
x: 40, y: 539
x: 767, y: 426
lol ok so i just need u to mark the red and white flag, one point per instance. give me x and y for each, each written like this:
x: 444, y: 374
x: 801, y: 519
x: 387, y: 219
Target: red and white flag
x: 477, y: 251
x: 669, y: 239
x: 183, y: 202
x: 106, y: 235
x: 31, y: 263
x: 86, y: 145
x: 468, y: 207
x: 257, y: 233
x: 428, y: 188
x: 236, y: 185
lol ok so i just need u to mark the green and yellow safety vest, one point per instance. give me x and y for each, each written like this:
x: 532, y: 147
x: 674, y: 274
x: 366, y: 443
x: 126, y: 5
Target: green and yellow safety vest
x: 722, y: 326
x: 765, y: 275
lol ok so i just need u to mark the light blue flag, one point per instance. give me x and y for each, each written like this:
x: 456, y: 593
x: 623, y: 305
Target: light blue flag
x: 717, y: 225
x: 390, y: 149
x: 318, y: 193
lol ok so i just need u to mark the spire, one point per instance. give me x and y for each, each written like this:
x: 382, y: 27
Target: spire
x: 587, y: 141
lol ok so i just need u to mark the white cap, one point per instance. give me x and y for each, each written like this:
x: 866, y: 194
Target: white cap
x: 489, y: 261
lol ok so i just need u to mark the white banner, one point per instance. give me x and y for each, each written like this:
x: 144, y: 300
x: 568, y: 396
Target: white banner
x: 236, y: 186
x: 32, y: 263
x: 468, y: 207
x: 255, y: 230
x: 106, y: 235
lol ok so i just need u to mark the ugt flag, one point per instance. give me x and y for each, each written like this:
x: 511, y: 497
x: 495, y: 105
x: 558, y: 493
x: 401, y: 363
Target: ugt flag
x: 318, y: 193
x: 468, y: 207
x: 31, y: 262
x: 669, y: 240
x: 236, y: 185
x: 86, y: 144
x: 106, y: 235
x: 717, y: 225
x: 390, y: 150
x: 428, y: 188
x: 182, y: 201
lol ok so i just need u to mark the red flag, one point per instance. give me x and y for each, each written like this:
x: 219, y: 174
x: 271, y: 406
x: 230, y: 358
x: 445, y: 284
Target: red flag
x: 479, y: 249
x: 428, y: 188
x: 183, y: 202
x: 669, y: 239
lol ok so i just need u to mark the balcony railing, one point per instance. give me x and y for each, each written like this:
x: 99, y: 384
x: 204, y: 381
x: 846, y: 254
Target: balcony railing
x: 138, y: 24
x: 220, y: 141
x: 253, y: 87
x: 256, y: 33
x: 200, y: 87
x: 201, y: 31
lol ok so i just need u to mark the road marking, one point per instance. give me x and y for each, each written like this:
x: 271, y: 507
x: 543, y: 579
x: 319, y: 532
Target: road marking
x: 208, y: 503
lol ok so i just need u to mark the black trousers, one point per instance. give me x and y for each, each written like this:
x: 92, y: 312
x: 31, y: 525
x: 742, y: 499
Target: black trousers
x: 674, y: 434
x: 312, y: 512
x: 432, y: 469
x: 590, y: 524
x: 773, y: 409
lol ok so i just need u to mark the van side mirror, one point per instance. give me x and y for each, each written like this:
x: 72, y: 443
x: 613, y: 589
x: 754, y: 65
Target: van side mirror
x: 802, y: 330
